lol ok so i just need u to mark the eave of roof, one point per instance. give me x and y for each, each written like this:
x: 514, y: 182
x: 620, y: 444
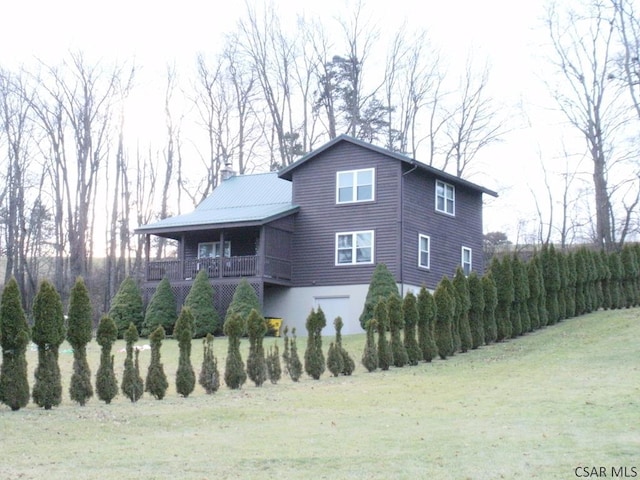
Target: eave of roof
x: 286, y: 173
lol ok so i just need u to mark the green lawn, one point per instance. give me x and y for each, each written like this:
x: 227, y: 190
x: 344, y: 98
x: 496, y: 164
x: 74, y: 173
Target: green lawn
x: 536, y: 407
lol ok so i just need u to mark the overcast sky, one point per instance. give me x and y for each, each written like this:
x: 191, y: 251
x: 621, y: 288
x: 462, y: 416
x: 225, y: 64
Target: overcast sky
x: 507, y: 33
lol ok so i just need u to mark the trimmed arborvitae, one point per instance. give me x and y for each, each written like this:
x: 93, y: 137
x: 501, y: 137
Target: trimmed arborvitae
x: 629, y: 275
x: 274, y: 370
x: 605, y: 280
x: 592, y: 272
x: 581, y: 275
x: 14, y: 338
x: 533, y: 275
x: 335, y: 364
x: 48, y: 333
x: 385, y: 354
x: 615, y: 286
x: 490, y: 294
x: 183, y: 332
x: 256, y: 362
x: 209, y: 377
x: 132, y: 384
x: 463, y: 304
x: 126, y: 306
x: 571, y: 284
x: 79, y: 325
x: 410, y: 315
x: 396, y: 324
x: 382, y: 285
x: 551, y: 275
x: 200, y: 300
x: 503, y: 277
x: 599, y: 276
x: 314, y: 363
x: 564, y: 285
x: 348, y: 364
x: 294, y: 365
x: 106, y: 382
x: 161, y: 311
x: 520, y: 313
x: 426, y: 325
x: 234, y: 373
x: 156, y: 383
x: 370, y: 354
x: 244, y: 300
x: 445, y: 310
x: 476, y: 298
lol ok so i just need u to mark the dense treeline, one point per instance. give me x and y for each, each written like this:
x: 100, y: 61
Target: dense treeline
x: 515, y: 296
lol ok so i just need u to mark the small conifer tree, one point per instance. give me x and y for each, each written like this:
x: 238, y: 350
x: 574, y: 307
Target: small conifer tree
x: 161, y: 311
x: 615, y: 286
x: 605, y: 280
x: 396, y: 324
x: 570, y: 259
x: 410, y: 315
x: 463, y: 304
x: 517, y: 271
x: 156, y: 383
x: 426, y: 325
x: 106, y: 382
x: 551, y: 275
x: 490, y: 293
x: 445, y: 310
x: 382, y: 285
x: 476, y: 298
x: 385, y: 354
x: 78, y: 335
x: 183, y: 332
x: 244, y: 300
x: 209, y: 377
x: 14, y: 338
x: 294, y: 365
x: 314, y: 362
x: 335, y: 364
x: 127, y: 307
x: 533, y: 276
x: 563, y: 288
x: 370, y: 354
x: 503, y: 276
x: 347, y: 362
x: 629, y: 275
x: 234, y: 373
x: 274, y: 369
x: 200, y: 300
x: 256, y: 362
x: 132, y: 384
x: 48, y: 333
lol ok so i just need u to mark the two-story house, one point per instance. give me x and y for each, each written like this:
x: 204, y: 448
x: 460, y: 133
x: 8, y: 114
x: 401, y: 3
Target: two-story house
x: 311, y: 234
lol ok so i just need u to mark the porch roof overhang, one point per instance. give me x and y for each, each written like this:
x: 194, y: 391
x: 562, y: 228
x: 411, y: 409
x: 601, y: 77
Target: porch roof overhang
x: 174, y: 227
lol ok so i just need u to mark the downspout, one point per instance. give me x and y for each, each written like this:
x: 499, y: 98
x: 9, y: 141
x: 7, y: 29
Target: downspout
x: 415, y: 165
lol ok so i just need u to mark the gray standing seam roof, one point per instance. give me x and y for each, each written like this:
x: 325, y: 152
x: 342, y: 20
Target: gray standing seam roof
x: 240, y: 199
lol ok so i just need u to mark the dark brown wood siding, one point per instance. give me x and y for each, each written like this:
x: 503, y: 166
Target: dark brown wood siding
x: 448, y: 233
x: 320, y: 218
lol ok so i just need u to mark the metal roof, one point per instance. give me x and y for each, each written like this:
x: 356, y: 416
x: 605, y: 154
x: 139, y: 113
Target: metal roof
x: 240, y: 200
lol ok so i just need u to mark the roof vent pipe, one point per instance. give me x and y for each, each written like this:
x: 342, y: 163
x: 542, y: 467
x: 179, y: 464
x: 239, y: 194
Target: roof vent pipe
x: 227, y: 172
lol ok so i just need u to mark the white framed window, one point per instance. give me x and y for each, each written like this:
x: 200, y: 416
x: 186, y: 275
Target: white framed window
x: 212, y: 249
x: 424, y: 251
x: 355, y: 185
x: 354, y: 248
x: 466, y: 260
x: 445, y: 198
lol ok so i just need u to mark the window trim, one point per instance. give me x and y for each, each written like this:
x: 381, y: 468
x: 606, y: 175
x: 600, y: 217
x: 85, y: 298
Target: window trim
x: 354, y: 248
x: 354, y: 196
x: 428, y: 238
x: 446, y: 200
x: 462, y: 261
x: 227, y: 246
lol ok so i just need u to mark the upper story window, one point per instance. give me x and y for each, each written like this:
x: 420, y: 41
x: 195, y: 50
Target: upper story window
x: 353, y: 248
x: 424, y: 251
x: 212, y: 249
x: 445, y: 198
x: 355, y: 185
x: 466, y: 261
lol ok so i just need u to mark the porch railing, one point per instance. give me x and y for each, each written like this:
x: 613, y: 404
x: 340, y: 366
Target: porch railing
x: 244, y: 266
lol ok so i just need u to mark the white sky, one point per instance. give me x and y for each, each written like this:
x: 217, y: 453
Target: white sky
x: 506, y: 32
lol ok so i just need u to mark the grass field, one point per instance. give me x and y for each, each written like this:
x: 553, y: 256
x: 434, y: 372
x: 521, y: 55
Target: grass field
x: 536, y: 407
